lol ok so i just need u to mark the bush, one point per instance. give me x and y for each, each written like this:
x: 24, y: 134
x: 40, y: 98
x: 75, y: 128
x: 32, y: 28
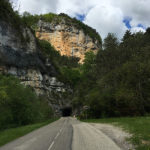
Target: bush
x: 70, y: 76
x: 19, y: 105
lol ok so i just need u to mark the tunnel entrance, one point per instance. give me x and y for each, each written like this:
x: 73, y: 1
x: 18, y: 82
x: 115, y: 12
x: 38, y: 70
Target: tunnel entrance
x: 66, y: 111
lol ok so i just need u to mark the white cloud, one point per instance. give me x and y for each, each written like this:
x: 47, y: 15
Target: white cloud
x: 38, y: 6
x: 106, y: 18
x: 138, y: 10
x: 137, y: 29
x: 103, y: 15
x: 72, y: 7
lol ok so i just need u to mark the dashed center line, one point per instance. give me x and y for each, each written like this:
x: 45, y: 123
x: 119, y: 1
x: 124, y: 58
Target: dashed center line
x: 60, y: 130
x: 50, y: 147
x: 57, y: 135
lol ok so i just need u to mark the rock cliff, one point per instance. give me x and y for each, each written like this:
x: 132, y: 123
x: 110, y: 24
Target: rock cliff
x: 67, y: 38
x: 21, y: 54
x: 24, y: 60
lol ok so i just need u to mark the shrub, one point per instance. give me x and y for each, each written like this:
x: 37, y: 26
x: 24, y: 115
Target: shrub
x: 19, y: 105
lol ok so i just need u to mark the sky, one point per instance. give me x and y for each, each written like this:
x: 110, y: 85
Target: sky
x: 115, y: 16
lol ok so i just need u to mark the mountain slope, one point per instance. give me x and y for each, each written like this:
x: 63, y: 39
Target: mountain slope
x: 68, y: 35
x: 21, y: 56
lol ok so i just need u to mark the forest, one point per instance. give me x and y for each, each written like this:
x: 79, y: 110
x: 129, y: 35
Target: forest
x: 116, y: 82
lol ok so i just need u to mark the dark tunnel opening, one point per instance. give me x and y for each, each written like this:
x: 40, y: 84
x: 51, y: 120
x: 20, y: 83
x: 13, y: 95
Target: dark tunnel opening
x: 66, y: 111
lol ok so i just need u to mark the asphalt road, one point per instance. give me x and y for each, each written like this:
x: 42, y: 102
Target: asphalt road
x: 64, y: 134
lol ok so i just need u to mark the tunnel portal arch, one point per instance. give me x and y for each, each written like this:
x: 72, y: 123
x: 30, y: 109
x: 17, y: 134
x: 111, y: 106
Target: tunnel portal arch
x: 66, y: 111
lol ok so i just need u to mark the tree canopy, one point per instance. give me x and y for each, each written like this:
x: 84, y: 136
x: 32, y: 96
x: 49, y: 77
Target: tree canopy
x: 118, y: 84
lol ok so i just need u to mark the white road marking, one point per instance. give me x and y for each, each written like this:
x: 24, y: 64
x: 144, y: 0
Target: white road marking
x: 51, y: 145
x: 60, y: 130
x: 57, y: 135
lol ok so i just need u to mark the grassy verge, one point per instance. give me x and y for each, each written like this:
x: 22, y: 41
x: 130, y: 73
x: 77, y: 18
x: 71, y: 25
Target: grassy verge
x: 14, y: 133
x: 139, y: 127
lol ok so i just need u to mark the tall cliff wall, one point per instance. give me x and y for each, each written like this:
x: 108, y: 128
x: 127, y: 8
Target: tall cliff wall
x: 21, y: 55
x: 24, y: 60
x: 67, y: 39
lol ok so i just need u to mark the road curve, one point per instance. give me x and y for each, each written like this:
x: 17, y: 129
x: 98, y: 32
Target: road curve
x: 64, y: 134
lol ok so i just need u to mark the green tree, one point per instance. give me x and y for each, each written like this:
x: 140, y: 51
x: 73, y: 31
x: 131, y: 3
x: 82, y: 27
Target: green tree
x: 19, y: 105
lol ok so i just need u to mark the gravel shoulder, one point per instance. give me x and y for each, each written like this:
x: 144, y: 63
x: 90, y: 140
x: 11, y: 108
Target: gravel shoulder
x: 117, y: 135
x: 88, y: 137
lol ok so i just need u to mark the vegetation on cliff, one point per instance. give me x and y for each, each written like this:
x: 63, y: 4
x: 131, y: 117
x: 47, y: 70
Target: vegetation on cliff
x: 32, y: 20
x: 48, y: 50
x: 7, y: 14
x: 66, y: 66
x: 12, y: 18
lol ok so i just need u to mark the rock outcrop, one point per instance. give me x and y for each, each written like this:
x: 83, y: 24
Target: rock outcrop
x: 68, y: 40
x: 24, y: 60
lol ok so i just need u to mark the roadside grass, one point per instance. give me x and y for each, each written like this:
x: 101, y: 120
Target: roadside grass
x: 14, y: 133
x: 139, y: 127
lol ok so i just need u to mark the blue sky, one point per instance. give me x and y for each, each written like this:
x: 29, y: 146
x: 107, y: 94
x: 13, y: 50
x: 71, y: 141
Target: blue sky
x: 80, y: 17
x: 127, y: 21
x: 115, y: 16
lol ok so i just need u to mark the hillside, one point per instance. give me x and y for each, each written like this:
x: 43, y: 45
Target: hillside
x: 114, y: 82
x: 68, y: 35
x: 25, y: 57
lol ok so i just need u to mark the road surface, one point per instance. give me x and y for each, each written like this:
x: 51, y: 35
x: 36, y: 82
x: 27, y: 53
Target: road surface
x: 64, y: 134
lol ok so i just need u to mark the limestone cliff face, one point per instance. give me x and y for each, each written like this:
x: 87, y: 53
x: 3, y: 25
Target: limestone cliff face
x: 68, y: 40
x: 24, y: 60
